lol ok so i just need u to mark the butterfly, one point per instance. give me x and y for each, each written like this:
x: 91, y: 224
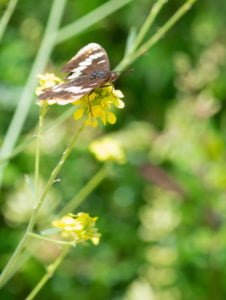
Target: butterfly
x: 87, y: 70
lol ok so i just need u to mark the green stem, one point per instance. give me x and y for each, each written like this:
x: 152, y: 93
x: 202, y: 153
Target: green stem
x: 5, y: 275
x: 91, y: 18
x: 6, y: 17
x: 19, y: 249
x: 166, y: 27
x: 156, y: 37
x: 84, y: 192
x: 42, y: 112
x: 25, y: 101
x: 52, y: 178
x: 148, y: 22
x: 51, y: 269
x: 44, y: 238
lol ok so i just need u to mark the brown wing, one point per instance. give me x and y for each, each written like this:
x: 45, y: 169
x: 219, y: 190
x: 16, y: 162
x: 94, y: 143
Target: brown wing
x: 72, y: 91
x: 90, y: 58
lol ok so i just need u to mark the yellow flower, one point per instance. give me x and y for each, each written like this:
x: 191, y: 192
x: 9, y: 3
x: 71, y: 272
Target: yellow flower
x: 108, y: 149
x: 78, y: 228
x: 98, y: 106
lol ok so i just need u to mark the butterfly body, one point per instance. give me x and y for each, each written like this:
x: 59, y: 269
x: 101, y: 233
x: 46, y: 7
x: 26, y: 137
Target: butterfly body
x: 88, y: 69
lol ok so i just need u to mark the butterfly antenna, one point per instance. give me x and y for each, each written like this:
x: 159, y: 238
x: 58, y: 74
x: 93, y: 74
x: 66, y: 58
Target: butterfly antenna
x: 124, y: 72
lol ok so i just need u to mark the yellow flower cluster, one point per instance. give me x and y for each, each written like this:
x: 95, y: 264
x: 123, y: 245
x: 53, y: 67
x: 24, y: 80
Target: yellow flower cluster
x: 98, y: 105
x: 78, y: 228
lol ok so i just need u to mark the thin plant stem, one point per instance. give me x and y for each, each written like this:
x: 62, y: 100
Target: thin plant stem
x: 51, y: 269
x: 156, y: 37
x: 44, y: 238
x: 52, y: 178
x: 42, y: 112
x: 5, y: 275
x: 90, y: 19
x: 148, y: 22
x: 166, y: 27
x: 6, y: 17
x: 24, y: 256
x: 85, y: 191
x: 25, y: 101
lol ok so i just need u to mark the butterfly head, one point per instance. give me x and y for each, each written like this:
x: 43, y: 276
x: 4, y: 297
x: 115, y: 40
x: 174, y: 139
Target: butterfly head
x: 114, y: 75
x: 99, y: 75
x: 105, y: 75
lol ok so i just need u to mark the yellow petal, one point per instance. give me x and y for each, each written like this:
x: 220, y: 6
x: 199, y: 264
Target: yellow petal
x: 103, y: 118
x: 108, y: 100
x: 48, y: 80
x: 119, y: 104
x: 91, y: 96
x: 111, y: 118
x: 95, y: 240
x: 96, y: 110
x: 118, y: 94
x: 78, y: 114
x: 91, y: 122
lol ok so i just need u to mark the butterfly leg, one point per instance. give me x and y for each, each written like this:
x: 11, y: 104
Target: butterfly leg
x: 103, y: 86
x: 89, y: 104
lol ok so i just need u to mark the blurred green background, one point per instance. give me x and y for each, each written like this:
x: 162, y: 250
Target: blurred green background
x: 161, y: 212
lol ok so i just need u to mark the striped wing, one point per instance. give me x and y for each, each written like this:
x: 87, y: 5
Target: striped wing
x: 72, y: 91
x: 89, y: 59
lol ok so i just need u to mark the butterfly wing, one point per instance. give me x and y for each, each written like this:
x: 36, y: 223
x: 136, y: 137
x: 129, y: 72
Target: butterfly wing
x: 72, y: 91
x: 90, y: 58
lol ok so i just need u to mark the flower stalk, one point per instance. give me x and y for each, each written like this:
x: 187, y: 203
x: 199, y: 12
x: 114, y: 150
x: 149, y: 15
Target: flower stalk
x: 52, y: 178
x: 42, y: 113
x: 133, y: 55
x: 148, y: 22
x: 51, y: 269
